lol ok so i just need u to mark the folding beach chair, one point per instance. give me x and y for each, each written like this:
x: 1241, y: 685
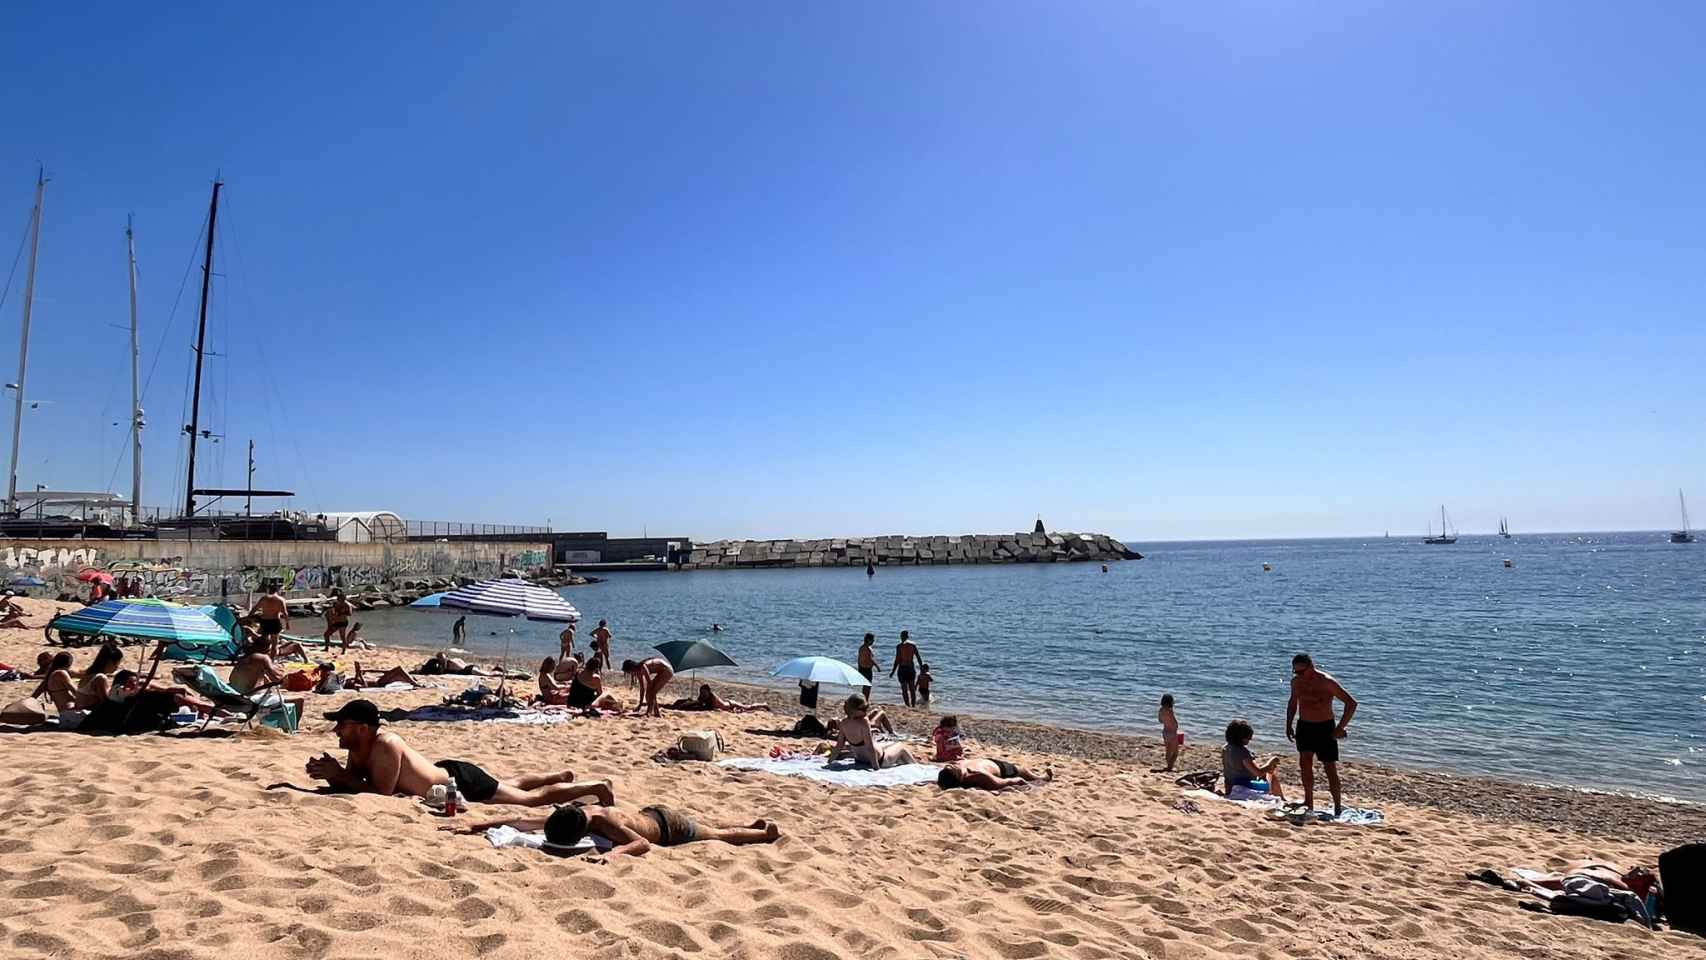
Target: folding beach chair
x: 263, y: 702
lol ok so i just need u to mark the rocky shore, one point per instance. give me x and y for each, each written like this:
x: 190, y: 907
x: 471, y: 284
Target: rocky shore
x: 1035, y: 547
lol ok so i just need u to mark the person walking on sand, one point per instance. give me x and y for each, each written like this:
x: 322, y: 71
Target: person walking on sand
x: 337, y: 619
x: 1316, y: 733
x: 601, y: 641
x: 272, y: 617
x: 906, y: 660
x: 868, y: 662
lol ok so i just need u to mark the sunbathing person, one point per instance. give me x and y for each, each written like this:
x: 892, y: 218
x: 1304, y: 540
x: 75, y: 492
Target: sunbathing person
x: 129, y: 687
x: 630, y: 834
x: 567, y: 666
x: 57, y: 685
x: 551, y: 691
x: 708, y: 700
x: 394, y: 675
x: 11, y: 615
x: 380, y: 762
x: 652, y: 674
x: 586, y: 689
x: 1244, y: 778
x: 44, y: 665
x: 855, y: 739
x: 355, y: 639
x: 988, y: 775
x: 254, y: 669
x: 444, y: 663
x: 97, y: 681
x: 873, y: 715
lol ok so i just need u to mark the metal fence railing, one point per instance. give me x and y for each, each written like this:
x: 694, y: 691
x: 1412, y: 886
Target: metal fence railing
x: 108, y: 521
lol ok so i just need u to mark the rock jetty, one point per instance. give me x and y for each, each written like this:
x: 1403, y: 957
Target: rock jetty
x: 909, y: 551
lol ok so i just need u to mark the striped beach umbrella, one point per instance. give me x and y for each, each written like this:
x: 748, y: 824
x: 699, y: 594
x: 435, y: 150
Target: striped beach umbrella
x: 149, y: 619
x: 511, y: 598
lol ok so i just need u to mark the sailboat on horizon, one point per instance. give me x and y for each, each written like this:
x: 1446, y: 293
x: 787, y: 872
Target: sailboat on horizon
x: 1446, y: 534
x: 1504, y: 528
x: 1684, y: 535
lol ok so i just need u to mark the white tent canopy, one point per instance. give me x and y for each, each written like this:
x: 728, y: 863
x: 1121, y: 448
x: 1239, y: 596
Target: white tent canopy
x: 368, y: 526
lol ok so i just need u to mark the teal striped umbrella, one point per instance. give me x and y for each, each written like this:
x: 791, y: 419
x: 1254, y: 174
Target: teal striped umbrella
x: 150, y: 619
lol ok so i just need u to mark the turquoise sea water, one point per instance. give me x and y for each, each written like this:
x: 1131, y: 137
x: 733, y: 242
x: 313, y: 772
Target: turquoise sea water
x: 1584, y: 664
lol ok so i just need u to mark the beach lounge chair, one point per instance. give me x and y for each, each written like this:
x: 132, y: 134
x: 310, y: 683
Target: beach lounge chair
x: 264, y: 702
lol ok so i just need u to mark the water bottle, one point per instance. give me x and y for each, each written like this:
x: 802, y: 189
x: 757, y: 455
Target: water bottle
x: 452, y: 800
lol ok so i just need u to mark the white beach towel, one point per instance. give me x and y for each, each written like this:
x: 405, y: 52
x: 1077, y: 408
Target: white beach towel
x: 843, y: 773
x: 535, y: 718
x: 1351, y: 816
x: 510, y: 837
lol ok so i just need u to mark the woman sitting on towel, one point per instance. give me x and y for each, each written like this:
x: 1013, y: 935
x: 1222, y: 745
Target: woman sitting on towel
x: 56, y: 684
x: 550, y: 691
x: 854, y: 739
x: 98, y: 679
x: 1246, y: 779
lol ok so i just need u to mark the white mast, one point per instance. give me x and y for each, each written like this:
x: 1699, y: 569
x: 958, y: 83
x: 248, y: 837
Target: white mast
x: 135, y: 389
x: 24, y: 346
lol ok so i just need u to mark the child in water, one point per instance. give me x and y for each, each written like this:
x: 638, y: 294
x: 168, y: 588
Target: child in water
x: 924, y: 680
x: 1171, y: 738
x: 947, y: 739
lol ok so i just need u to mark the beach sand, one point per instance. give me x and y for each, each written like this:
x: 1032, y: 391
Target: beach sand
x: 158, y: 846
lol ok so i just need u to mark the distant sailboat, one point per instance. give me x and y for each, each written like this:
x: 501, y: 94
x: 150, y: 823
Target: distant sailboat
x: 1504, y: 528
x: 1446, y: 534
x: 1684, y: 535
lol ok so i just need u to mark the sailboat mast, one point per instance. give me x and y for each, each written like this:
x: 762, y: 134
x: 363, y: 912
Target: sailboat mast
x: 1684, y: 505
x: 135, y: 387
x: 24, y: 346
x: 200, y: 343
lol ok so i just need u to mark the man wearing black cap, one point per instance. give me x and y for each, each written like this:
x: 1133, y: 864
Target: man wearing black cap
x: 380, y: 762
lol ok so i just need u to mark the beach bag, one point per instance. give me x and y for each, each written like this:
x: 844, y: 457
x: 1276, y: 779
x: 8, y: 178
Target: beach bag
x: 302, y: 681
x: 26, y: 710
x: 1682, y: 878
x: 700, y: 744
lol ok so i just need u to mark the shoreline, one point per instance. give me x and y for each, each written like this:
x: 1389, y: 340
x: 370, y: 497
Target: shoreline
x: 1598, y: 813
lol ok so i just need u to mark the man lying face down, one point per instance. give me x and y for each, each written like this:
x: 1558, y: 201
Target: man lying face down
x: 380, y: 762
x: 631, y: 834
x: 986, y: 774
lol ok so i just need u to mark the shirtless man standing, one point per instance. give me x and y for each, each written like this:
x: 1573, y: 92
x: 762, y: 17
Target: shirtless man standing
x: 566, y: 643
x: 380, y: 762
x: 906, y: 659
x: 337, y: 619
x: 630, y: 834
x: 273, y: 617
x: 601, y: 642
x: 1316, y: 733
x: 867, y: 662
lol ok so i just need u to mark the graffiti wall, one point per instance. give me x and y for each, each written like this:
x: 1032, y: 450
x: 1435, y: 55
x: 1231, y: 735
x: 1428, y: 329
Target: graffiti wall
x: 181, y: 570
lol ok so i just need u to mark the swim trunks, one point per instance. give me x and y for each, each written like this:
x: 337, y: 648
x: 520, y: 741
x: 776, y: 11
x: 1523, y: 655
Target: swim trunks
x: 475, y: 785
x: 270, y: 626
x: 908, y: 675
x: 1316, y: 736
x: 1006, y: 770
x: 865, y: 672
x: 674, y: 827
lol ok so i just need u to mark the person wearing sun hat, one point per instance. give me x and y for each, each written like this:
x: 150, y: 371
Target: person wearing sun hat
x: 380, y: 762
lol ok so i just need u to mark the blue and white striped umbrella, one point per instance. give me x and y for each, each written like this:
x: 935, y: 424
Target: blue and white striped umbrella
x: 152, y: 619
x: 511, y: 598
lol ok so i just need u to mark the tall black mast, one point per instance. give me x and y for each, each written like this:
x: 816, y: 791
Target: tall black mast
x: 200, y: 342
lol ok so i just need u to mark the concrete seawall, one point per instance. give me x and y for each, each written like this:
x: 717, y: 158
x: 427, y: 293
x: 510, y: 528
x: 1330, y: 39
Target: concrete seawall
x: 908, y: 551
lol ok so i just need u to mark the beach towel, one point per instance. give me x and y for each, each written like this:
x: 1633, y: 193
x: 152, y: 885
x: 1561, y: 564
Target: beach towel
x: 535, y: 718
x: 1274, y: 807
x: 843, y: 773
x: 501, y: 837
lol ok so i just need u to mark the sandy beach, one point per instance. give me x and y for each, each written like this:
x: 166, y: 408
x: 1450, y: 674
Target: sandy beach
x: 173, y: 846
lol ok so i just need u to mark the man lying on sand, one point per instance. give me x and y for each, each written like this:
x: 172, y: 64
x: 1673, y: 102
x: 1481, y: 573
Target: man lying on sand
x: 987, y: 774
x: 380, y: 762
x: 632, y: 834
x: 444, y: 663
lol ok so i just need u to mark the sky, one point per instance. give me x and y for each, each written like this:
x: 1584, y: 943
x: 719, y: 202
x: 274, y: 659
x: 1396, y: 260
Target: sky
x: 1161, y: 270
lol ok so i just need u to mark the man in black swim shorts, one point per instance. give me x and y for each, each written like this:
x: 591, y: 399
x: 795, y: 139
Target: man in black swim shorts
x: 1309, y: 721
x: 906, y: 659
x: 988, y: 774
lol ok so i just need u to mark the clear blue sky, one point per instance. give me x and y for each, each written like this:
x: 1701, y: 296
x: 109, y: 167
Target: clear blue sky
x: 764, y: 269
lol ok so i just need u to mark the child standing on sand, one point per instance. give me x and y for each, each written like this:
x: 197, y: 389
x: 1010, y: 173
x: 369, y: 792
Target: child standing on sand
x: 947, y: 739
x: 1171, y: 738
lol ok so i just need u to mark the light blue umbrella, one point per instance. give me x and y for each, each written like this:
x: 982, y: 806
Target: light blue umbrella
x: 150, y: 619
x: 430, y: 600
x: 26, y: 580
x: 821, y: 670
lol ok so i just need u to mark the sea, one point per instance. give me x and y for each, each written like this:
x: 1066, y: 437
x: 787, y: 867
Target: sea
x: 1580, y: 664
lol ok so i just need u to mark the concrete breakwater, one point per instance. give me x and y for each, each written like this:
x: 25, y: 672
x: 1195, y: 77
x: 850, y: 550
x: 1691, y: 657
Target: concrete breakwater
x: 908, y: 551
